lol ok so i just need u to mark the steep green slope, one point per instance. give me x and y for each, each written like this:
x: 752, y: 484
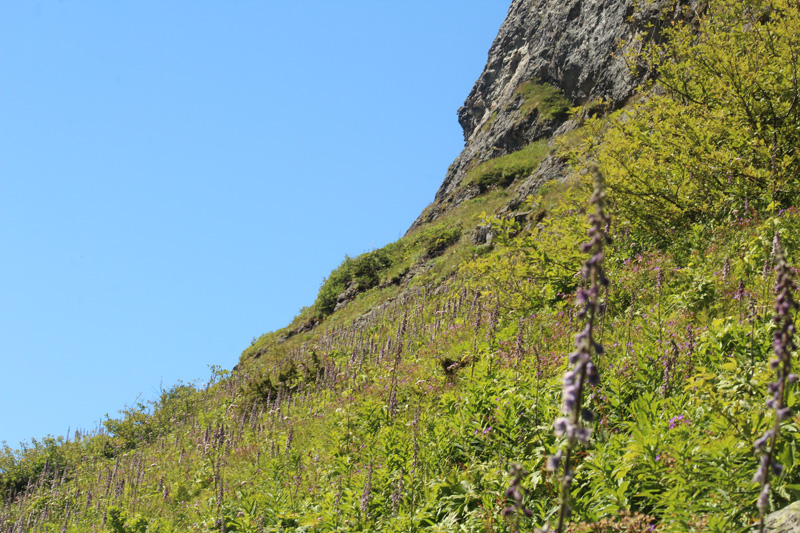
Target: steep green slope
x: 405, y: 408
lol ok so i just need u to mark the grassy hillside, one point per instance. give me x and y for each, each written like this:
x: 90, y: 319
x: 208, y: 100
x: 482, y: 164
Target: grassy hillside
x: 427, y: 400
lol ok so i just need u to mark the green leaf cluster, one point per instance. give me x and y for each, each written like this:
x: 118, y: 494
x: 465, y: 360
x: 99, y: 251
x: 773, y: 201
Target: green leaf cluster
x: 718, y: 135
x: 362, y: 271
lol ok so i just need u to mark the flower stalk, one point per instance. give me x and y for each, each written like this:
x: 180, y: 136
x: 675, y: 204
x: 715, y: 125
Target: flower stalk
x: 783, y: 345
x: 583, y: 370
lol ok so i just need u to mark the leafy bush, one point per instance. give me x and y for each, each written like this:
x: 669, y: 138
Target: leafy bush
x: 364, y: 271
x: 722, y: 136
x: 440, y: 239
x: 135, y: 428
x: 41, y: 461
x: 258, y: 388
x: 118, y: 522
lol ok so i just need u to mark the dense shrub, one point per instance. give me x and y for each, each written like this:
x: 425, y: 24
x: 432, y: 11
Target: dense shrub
x: 721, y: 138
x: 39, y: 462
x: 136, y: 427
x: 363, y: 271
x: 438, y: 241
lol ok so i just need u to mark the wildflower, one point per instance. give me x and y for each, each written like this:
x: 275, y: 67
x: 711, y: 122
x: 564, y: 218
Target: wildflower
x: 366, y: 496
x: 659, y: 281
x: 783, y: 344
x: 553, y: 462
x: 583, y: 370
x: 338, y: 499
x: 518, y: 345
x: 492, y: 324
x: 675, y: 419
x: 398, y: 355
x: 397, y: 495
x: 739, y: 291
x: 514, y: 493
x: 669, y: 362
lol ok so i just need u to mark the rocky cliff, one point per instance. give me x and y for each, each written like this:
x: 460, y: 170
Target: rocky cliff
x: 575, y: 46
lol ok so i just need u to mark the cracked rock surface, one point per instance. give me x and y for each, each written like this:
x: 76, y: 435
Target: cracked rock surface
x: 577, y: 46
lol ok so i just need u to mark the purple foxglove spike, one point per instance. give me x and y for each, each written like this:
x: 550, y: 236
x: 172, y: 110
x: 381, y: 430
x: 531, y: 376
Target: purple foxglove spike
x: 583, y: 369
x: 569, y: 404
x: 782, y: 346
x: 598, y: 348
x: 761, y: 442
x: 771, y: 403
x: 592, y: 374
x: 583, y: 434
x: 560, y: 426
x: 763, y: 498
x: 553, y: 462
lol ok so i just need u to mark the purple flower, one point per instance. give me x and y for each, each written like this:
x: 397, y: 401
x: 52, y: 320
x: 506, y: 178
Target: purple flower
x: 583, y: 372
x: 553, y: 462
x: 366, y: 496
x: 763, y: 499
x: 673, y: 420
x: 783, y: 344
x: 515, y: 493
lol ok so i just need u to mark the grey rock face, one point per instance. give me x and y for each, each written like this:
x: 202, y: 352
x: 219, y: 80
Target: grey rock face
x: 552, y: 168
x: 482, y: 234
x: 787, y: 520
x: 347, y: 296
x: 573, y: 45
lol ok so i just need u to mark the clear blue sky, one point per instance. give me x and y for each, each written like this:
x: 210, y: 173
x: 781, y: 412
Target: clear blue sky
x: 178, y: 177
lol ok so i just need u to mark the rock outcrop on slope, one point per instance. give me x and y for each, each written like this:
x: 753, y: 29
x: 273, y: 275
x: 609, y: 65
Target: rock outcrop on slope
x: 577, y: 46
x: 786, y: 520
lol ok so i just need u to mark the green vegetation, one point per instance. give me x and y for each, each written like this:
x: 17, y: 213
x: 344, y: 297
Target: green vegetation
x: 502, y: 171
x: 388, y: 265
x: 547, y: 100
x: 723, y: 134
x: 368, y: 270
x: 363, y: 271
x: 405, y: 409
